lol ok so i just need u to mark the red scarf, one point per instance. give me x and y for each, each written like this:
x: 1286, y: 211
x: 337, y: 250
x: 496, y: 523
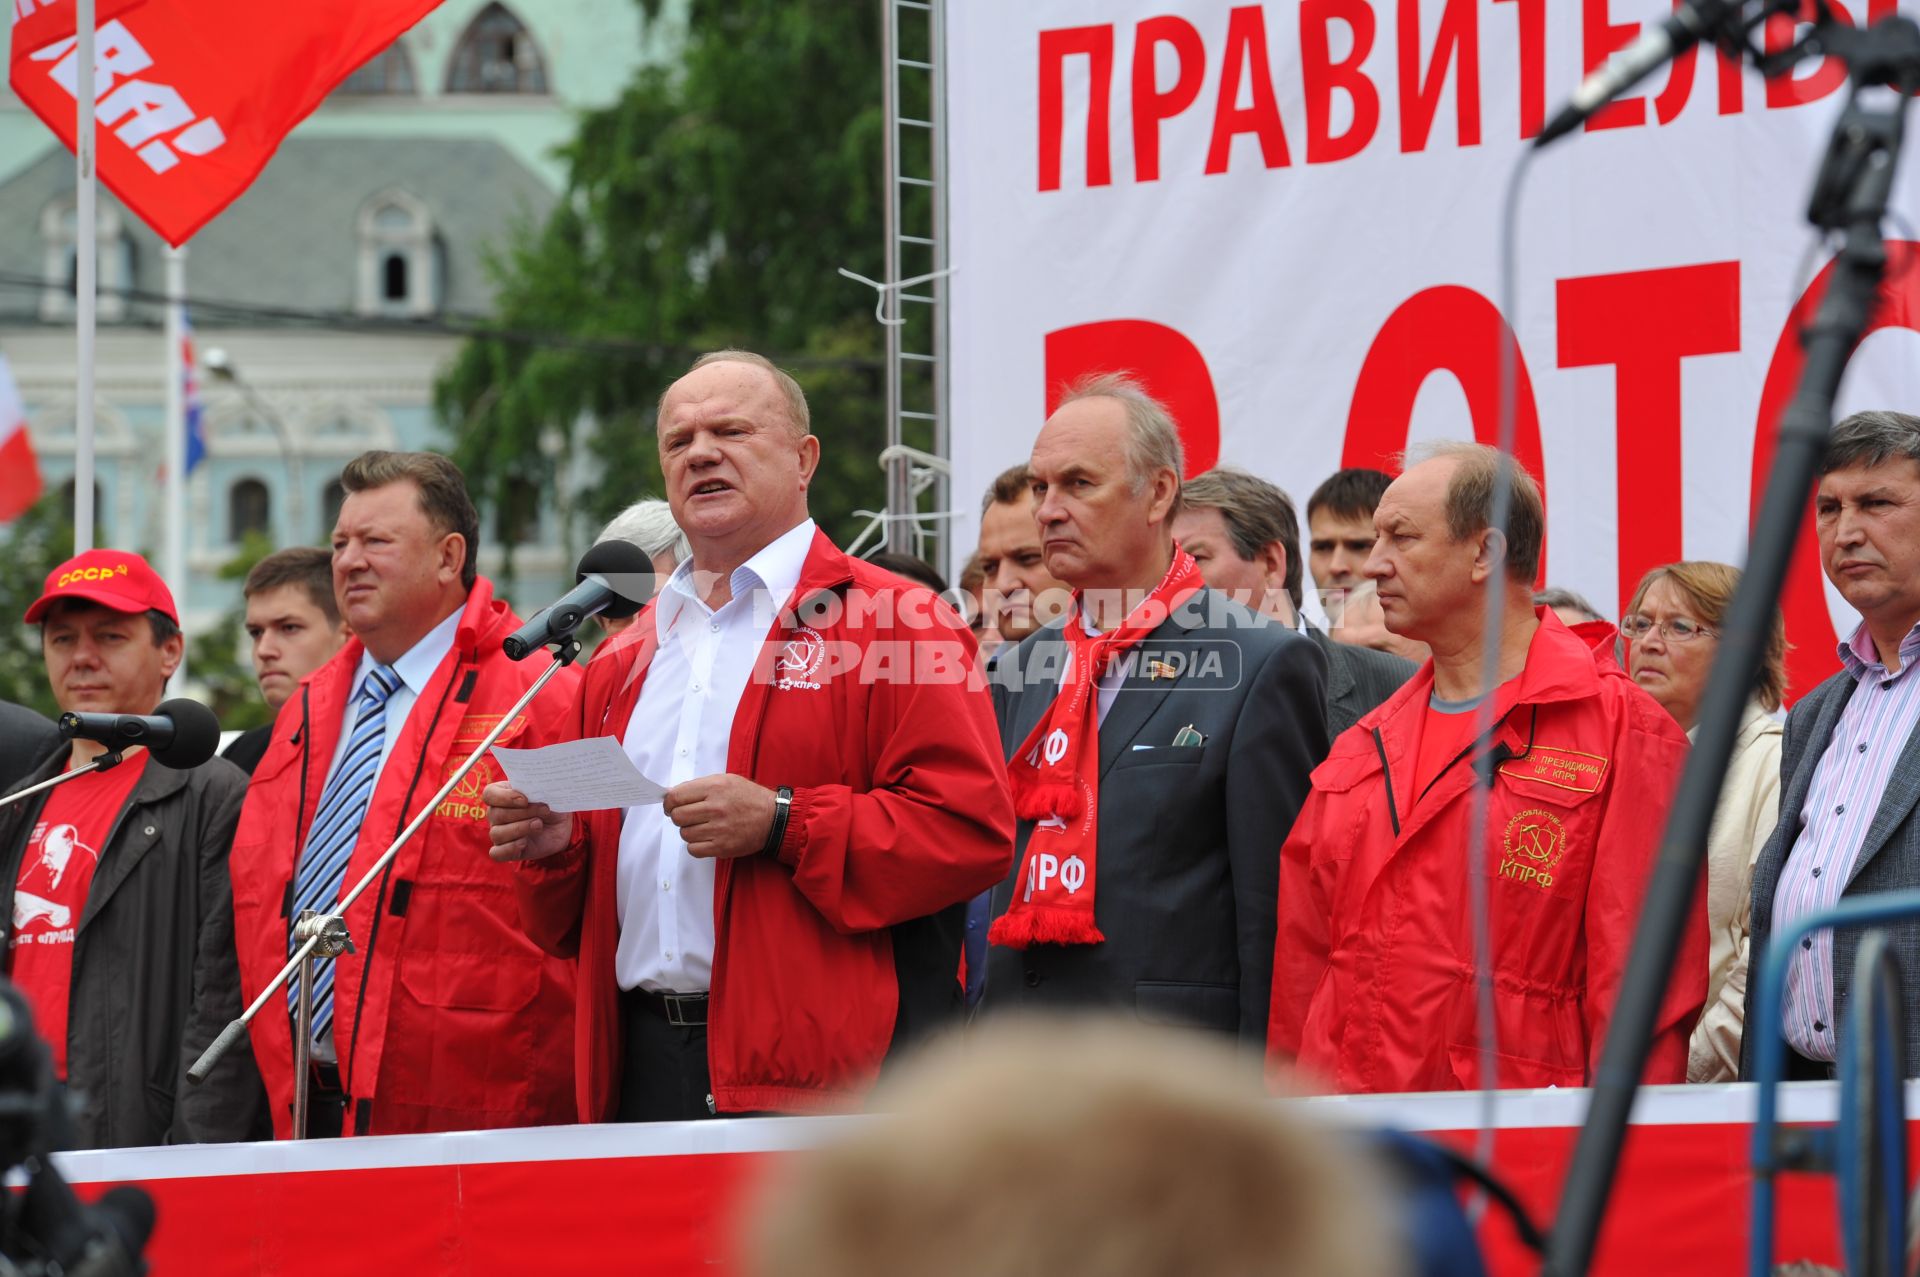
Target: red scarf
x: 1056, y: 777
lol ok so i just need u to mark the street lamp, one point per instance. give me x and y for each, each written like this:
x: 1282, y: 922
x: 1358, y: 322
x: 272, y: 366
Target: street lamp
x: 221, y: 365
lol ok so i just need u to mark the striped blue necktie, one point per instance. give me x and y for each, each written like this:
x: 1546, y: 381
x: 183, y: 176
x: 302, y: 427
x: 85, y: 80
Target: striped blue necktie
x: 336, y: 828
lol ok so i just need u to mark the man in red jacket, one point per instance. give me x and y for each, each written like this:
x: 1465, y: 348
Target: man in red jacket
x: 761, y: 940
x: 1374, y: 983
x: 446, y: 1017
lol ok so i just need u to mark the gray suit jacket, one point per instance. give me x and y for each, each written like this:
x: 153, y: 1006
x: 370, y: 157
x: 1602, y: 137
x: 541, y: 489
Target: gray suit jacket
x: 25, y: 739
x: 1889, y: 860
x: 1358, y: 679
x: 1188, y: 872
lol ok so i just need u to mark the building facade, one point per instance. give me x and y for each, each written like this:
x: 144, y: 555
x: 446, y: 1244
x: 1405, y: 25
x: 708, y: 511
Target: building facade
x: 385, y: 204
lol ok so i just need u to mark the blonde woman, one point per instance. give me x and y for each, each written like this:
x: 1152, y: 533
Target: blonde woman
x: 1673, y: 628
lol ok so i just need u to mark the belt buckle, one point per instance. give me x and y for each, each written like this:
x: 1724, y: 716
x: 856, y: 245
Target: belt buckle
x: 677, y: 1006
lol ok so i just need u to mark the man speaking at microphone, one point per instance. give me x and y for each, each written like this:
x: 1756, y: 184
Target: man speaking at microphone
x: 122, y: 921
x: 446, y: 1017
x: 763, y: 939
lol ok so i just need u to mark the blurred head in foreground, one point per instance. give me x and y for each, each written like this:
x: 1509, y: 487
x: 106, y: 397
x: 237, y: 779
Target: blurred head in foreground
x: 1054, y: 1148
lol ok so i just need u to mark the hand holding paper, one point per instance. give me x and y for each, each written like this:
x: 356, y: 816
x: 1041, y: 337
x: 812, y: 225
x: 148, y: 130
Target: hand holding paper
x: 579, y: 775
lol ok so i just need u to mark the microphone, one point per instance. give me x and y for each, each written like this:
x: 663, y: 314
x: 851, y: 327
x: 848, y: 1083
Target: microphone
x: 616, y: 578
x: 1689, y: 24
x: 181, y: 734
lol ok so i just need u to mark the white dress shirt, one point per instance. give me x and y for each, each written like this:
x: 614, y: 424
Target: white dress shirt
x: 679, y: 731
x: 1108, y: 685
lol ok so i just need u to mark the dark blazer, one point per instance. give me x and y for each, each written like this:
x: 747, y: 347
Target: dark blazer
x: 249, y: 747
x: 1888, y: 861
x: 1187, y: 876
x: 155, y: 977
x: 1358, y: 678
x: 25, y: 739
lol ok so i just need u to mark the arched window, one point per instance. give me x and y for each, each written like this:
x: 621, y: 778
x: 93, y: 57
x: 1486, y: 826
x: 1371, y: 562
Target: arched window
x: 497, y: 55
x: 332, y: 497
x: 399, y: 256
x: 60, y: 259
x: 389, y: 73
x: 249, y: 510
x: 393, y: 278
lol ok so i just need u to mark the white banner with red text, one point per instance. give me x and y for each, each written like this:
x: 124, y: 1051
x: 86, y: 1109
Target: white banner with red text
x: 1285, y: 219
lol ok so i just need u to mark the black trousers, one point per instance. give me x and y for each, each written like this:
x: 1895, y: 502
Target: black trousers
x: 1801, y: 1069
x: 663, y: 1066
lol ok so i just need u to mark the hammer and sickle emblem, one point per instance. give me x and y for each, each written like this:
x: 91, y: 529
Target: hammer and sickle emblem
x: 1537, y: 837
x: 794, y: 659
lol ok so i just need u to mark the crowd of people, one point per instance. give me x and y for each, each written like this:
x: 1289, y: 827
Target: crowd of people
x: 1152, y: 755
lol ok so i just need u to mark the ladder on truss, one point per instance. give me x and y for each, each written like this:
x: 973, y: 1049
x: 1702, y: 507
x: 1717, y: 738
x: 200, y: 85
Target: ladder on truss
x: 914, y: 301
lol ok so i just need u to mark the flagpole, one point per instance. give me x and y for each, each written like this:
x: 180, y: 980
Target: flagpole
x: 86, y: 222
x: 175, y: 568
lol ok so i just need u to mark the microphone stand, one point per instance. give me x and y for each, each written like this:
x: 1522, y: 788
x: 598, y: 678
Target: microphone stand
x: 1850, y: 196
x: 109, y: 759
x: 324, y: 936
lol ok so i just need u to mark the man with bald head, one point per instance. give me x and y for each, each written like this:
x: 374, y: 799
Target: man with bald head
x: 1158, y: 737
x: 765, y: 937
x: 1375, y: 977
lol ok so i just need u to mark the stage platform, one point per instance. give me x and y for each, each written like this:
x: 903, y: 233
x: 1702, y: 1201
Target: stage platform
x: 663, y: 1199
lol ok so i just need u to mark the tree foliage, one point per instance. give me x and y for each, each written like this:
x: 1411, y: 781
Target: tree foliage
x: 34, y: 544
x: 709, y: 206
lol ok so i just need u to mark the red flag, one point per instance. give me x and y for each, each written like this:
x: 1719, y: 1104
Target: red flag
x: 38, y: 23
x: 20, y: 484
x: 194, y: 96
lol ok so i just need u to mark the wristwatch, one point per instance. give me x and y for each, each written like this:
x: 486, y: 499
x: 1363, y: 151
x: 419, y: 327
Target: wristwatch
x: 782, y: 806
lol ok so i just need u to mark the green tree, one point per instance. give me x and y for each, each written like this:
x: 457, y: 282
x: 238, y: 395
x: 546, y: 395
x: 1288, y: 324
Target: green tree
x: 33, y: 545
x: 711, y: 205
x: 215, y: 669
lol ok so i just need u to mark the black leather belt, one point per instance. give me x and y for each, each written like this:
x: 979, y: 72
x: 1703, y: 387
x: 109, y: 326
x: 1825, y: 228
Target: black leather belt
x: 326, y: 1078
x: 326, y: 1102
x: 687, y: 1010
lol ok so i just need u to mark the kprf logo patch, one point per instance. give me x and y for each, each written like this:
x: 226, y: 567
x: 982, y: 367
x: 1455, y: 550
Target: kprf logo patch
x: 1535, y: 843
x: 800, y: 660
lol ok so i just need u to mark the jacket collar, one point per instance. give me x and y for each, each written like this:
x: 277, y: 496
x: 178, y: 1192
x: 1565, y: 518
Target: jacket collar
x: 156, y: 782
x: 484, y: 619
x: 1562, y: 665
x: 1755, y: 720
x: 825, y: 569
x: 774, y: 568
x: 1339, y: 673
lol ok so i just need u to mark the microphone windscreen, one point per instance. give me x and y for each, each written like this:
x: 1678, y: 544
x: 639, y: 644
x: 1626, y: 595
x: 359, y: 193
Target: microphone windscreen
x: 196, y: 735
x: 128, y: 1213
x: 626, y: 568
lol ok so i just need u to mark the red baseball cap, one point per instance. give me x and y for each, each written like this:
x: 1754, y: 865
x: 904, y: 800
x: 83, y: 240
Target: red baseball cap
x: 112, y: 578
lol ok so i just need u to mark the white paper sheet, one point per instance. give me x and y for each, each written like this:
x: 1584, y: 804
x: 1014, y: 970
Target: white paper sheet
x: 579, y: 775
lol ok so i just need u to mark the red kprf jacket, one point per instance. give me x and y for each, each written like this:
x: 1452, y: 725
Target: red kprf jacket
x: 870, y: 709
x: 1374, y: 979
x: 446, y: 1016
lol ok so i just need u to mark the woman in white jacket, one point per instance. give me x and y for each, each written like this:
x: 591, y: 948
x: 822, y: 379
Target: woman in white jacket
x: 1673, y: 626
